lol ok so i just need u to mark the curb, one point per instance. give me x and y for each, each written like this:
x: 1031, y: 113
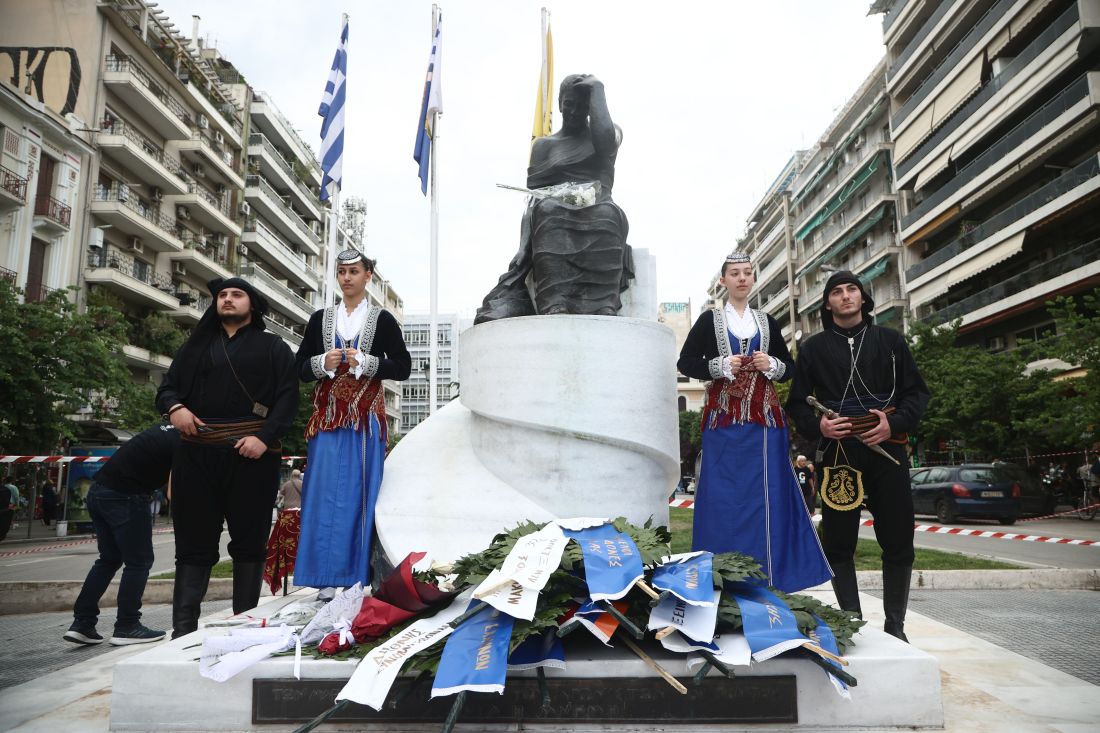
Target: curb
x: 24, y: 596
x: 1037, y: 579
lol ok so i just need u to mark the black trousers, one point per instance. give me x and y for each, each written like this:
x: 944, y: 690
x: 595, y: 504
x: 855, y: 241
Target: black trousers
x: 889, y: 499
x: 215, y: 484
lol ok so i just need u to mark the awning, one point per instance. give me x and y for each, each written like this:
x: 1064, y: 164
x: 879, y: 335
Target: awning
x: 886, y: 316
x: 875, y: 270
x: 913, y: 135
x: 842, y: 244
x: 987, y: 259
x: 1025, y: 16
x: 998, y: 43
x: 929, y: 291
x: 938, y: 165
x: 958, y: 91
x: 841, y: 197
x: 831, y: 162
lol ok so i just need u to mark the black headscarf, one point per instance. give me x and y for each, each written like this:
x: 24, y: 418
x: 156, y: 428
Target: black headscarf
x: 842, y: 278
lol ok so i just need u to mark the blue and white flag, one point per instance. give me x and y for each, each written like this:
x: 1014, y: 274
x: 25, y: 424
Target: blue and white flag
x: 690, y: 577
x: 332, y: 112
x: 730, y: 649
x: 540, y: 650
x: 612, y: 563
x: 432, y: 102
x: 768, y: 623
x: 475, y: 657
x: 824, y: 638
x: 695, y: 622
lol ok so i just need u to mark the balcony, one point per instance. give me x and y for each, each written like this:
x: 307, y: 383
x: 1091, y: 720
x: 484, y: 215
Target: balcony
x: 917, y: 41
x: 840, y: 235
x: 1080, y: 265
x: 140, y: 358
x: 123, y: 210
x: 13, y: 190
x: 217, y: 114
x: 202, y: 259
x: 1059, y: 193
x: 999, y: 97
x: 207, y: 208
x: 278, y: 293
x: 841, y: 195
x: 51, y: 217
x: 275, y: 167
x: 277, y: 211
x: 133, y: 84
x: 192, y: 307
x: 141, y: 156
x: 132, y: 280
x: 777, y: 302
x: 279, y: 255
x: 275, y: 125
x: 280, y: 328
x: 213, y: 157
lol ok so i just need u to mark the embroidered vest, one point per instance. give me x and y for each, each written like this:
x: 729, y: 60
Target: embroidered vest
x: 749, y: 396
x: 344, y: 400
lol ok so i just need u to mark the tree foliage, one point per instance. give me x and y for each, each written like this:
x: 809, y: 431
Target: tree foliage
x: 55, y: 362
x: 691, y: 438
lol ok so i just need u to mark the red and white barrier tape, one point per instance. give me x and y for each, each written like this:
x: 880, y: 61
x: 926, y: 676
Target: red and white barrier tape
x: 53, y: 459
x: 1058, y: 514
x: 50, y: 545
x: 937, y: 529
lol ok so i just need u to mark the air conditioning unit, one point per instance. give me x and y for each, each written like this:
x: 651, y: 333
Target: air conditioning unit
x: 156, y: 194
x: 245, y: 209
x: 183, y: 213
x: 242, y: 250
x: 218, y: 137
x: 95, y: 238
x: 860, y: 140
x: 204, y: 124
x: 123, y: 192
x: 219, y: 189
x: 134, y: 245
x: 198, y: 170
x: 178, y: 268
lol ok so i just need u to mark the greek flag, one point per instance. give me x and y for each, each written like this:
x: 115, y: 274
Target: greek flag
x: 432, y: 102
x: 332, y: 111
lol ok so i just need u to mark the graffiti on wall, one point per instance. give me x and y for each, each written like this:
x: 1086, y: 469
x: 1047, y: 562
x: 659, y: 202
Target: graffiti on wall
x: 50, y: 74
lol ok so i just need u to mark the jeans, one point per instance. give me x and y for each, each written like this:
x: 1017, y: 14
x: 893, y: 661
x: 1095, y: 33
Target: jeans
x: 124, y: 531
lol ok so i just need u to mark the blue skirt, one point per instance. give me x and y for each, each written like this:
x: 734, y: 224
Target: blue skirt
x: 340, y: 488
x: 748, y: 501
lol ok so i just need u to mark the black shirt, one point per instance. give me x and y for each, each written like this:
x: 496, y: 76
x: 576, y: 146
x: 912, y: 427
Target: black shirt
x: 143, y: 462
x: 388, y: 345
x: 263, y: 363
x: 886, y: 375
x: 805, y: 476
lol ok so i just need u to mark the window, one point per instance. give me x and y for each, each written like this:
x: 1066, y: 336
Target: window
x: 919, y: 476
x: 682, y: 403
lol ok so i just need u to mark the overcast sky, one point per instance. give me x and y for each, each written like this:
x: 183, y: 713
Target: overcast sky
x: 713, y: 98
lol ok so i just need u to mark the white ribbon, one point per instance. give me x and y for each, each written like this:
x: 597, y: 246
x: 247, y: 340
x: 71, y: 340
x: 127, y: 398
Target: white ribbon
x: 343, y: 626
x: 223, y: 657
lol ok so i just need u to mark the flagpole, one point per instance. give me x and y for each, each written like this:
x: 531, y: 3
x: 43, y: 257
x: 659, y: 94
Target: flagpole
x: 331, y: 247
x: 433, y: 264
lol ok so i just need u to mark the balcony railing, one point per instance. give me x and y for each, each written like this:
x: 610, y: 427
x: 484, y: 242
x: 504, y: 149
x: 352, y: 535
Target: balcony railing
x: 37, y: 292
x: 257, y: 226
x: 916, y: 41
x: 213, y: 252
x: 1068, y: 97
x: 122, y: 195
x: 13, y: 183
x: 1085, y: 254
x: 52, y: 209
x: 258, y: 138
x: 223, y: 155
x: 299, y: 222
x: 1063, y: 184
x: 125, y: 63
x: 113, y: 126
x: 263, y: 98
x: 218, y: 202
x: 1021, y: 61
x: 136, y: 269
x: 255, y: 270
x: 951, y: 59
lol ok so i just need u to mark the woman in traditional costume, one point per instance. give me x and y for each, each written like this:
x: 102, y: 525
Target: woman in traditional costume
x: 348, y: 349
x: 748, y: 499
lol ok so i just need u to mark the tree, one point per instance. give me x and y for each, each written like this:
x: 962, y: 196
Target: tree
x: 55, y: 362
x: 691, y: 439
x: 294, y: 442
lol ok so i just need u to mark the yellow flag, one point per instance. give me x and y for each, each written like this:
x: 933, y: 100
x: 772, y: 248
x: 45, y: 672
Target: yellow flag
x: 544, y: 101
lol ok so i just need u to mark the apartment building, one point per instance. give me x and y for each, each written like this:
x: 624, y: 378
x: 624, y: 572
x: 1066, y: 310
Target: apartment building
x: 844, y: 210
x: 995, y: 117
x: 415, y: 391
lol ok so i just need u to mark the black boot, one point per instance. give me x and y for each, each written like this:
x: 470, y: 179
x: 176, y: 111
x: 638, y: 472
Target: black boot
x: 248, y: 577
x: 187, y: 595
x: 845, y: 587
x: 895, y: 598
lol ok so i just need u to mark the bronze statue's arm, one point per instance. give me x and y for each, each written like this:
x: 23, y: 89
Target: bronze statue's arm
x: 599, y: 119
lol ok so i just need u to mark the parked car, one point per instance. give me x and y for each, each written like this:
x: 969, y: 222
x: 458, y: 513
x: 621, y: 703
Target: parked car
x: 979, y: 490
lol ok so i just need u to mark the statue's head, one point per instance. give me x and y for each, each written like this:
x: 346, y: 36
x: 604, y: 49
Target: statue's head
x: 573, y: 101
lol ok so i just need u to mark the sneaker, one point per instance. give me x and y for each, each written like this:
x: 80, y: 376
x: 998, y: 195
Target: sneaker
x: 135, y: 635
x: 82, y: 635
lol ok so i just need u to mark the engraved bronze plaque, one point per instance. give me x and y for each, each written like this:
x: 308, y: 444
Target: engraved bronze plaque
x: 764, y: 699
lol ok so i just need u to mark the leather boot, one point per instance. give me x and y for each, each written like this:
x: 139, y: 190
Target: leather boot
x: 187, y: 595
x: 895, y: 598
x: 845, y: 587
x: 248, y: 577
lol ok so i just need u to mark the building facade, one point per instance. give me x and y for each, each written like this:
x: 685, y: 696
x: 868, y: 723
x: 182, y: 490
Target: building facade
x: 415, y: 396
x: 690, y: 393
x: 994, y: 115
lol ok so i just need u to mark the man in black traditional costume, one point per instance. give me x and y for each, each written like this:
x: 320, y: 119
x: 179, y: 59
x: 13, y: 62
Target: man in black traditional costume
x: 864, y: 375
x: 232, y: 393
